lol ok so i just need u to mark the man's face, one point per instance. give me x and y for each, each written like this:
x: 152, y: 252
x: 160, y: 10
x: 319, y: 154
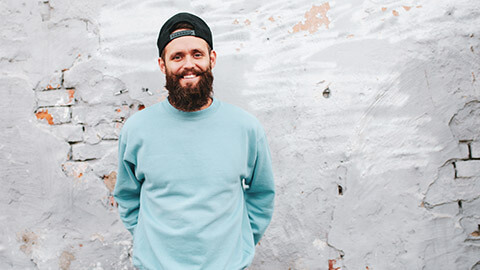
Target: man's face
x: 187, y: 67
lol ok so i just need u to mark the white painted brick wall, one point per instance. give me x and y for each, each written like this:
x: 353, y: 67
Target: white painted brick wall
x: 54, y: 115
x: 55, y: 98
x: 469, y: 168
x: 475, y: 149
x: 82, y: 151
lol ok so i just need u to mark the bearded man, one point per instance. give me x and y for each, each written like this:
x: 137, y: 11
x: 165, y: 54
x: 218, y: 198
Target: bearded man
x: 195, y: 183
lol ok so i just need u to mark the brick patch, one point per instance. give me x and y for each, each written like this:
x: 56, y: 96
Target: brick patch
x: 92, y: 130
x: 468, y: 168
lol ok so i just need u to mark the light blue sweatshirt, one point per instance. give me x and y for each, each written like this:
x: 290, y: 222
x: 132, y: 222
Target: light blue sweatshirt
x: 179, y: 187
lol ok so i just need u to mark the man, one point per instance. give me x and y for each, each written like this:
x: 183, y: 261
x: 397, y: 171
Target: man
x: 195, y: 184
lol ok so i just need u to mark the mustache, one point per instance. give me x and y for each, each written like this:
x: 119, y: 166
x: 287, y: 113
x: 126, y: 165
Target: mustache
x: 192, y: 71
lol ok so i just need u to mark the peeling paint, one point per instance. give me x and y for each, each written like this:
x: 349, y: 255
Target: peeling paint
x: 331, y: 265
x: 271, y: 19
x: 236, y: 21
x: 50, y: 87
x: 110, y: 181
x: 71, y: 94
x: 247, y: 22
x: 384, y: 9
x: 313, y: 22
x: 407, y: 8
x: 395, y: 13
x: 45, y: 115
x: 112, y: 201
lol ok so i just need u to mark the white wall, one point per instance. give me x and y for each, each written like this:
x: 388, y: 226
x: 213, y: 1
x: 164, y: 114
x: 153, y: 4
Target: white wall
x: 399, y: 133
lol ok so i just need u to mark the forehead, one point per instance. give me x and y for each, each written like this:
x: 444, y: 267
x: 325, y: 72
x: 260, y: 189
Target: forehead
x: 186, y: 44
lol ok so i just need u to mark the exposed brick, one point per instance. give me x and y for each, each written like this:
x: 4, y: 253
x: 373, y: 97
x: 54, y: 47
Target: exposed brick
x: 54, y: 115
x: 102, y: 131
x: 53, y: 81
x: 82, y: 73
x: 84, y: 151
x: 108, y: 163
x: 464, y: 152
x: 56, y: 98
x: 93, y: 115
x: 93, y: 86
x: 76, y: 169
x: 468, y: 168
x: 475, y: 148
x: 70, y: 133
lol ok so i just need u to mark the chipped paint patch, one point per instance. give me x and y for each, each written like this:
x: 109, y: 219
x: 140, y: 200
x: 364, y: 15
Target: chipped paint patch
x: 50, y: 87
x: 29, y: 239
x: 71, y: 95
x: 45, y: 115
x: 271, y: 19
x: 313, y: 21
x: 331, y: 265
x: 65, y: 260
x: 75, y: 169
x: 110, y: 181
x: 384, y: 9
x: 395, y: 13
x: 112, y: 201
x: 236, y: 21
x: 407, y: 8
x: 247, y: 22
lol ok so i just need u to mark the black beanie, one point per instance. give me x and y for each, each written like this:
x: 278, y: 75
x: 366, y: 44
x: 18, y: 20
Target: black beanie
x: 200, y: 29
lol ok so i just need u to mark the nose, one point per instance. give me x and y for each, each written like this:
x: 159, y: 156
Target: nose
x: 189, y: 62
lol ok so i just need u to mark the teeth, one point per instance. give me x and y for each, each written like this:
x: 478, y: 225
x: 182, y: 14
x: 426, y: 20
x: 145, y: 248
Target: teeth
x: 189, y: 76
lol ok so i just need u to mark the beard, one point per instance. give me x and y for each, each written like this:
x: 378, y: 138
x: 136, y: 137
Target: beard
x: 191, y: 97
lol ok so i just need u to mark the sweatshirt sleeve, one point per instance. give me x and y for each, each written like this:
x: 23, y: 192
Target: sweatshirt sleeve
x: 259, y: 195
x: 127, y: 188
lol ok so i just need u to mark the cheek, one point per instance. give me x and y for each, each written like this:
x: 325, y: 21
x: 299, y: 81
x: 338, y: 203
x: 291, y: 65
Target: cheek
x: 172, y: 68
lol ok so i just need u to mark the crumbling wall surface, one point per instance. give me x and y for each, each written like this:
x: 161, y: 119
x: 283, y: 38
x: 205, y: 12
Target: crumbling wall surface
x: 372, y: 111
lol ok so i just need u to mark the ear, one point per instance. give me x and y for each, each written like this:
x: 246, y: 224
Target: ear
x: 161, y: 64
x: 213, y: 58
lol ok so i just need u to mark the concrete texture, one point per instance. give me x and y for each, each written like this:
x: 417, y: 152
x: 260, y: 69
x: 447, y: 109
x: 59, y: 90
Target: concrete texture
x: 372, y: 111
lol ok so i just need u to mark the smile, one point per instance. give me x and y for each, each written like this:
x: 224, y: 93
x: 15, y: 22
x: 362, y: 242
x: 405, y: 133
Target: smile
x: 189, y: 76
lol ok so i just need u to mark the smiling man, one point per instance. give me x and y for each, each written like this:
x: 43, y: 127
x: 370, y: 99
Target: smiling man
x: 195, y: 183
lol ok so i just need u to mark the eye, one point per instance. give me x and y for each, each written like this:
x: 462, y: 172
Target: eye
x: 176, y: 57
x: 197, y: 55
